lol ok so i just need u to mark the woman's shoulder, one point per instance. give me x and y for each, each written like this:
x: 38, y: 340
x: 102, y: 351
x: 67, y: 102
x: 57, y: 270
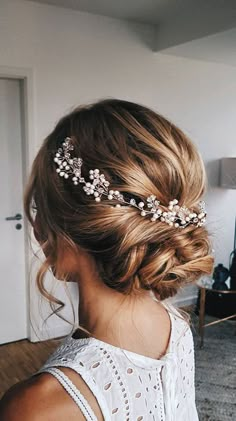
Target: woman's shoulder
x: 181, y: 325
x: 27, y: 400
x: 39, y: 398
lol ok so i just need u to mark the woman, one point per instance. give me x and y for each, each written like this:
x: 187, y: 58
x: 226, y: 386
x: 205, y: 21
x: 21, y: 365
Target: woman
x: 116, y: 192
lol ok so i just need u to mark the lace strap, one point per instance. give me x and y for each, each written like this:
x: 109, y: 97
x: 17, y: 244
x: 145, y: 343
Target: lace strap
x: 74, y: 393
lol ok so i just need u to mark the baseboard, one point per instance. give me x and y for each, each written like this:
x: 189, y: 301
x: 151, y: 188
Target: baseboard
x: 185, y: 301
x: 51, y: 333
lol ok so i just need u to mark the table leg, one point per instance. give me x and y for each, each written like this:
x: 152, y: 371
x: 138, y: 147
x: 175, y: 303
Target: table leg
x: 202, y: 315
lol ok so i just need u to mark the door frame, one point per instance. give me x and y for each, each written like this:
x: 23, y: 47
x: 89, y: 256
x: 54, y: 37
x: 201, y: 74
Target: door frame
x: 26, y: 78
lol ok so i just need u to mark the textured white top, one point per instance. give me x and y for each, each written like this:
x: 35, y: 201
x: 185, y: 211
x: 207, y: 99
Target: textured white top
x: 129, y: 386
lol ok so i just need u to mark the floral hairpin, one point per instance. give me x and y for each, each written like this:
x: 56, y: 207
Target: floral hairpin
x: 177, y: 216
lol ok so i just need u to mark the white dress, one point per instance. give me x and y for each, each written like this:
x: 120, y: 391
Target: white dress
x: 129, y: 386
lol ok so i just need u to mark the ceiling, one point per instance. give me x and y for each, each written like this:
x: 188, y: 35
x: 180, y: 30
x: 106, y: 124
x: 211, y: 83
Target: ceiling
x: 152, y: 11
x: 218, y: 48
x: 210, y: 24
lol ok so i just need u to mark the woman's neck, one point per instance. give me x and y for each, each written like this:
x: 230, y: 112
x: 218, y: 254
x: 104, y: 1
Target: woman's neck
x: 103, y: 311
x: 134, y: 322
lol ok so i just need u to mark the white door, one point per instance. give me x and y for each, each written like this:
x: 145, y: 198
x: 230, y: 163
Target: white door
x: 13, y: 322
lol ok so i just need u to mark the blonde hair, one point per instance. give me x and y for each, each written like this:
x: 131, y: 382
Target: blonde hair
x: 140, y: 153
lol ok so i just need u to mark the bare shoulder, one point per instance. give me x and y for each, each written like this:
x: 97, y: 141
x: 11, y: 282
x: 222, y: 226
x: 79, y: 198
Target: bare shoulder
x: 36, y: 399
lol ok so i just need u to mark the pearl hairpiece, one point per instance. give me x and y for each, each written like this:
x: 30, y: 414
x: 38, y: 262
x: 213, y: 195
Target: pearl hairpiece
x: 178, y: 216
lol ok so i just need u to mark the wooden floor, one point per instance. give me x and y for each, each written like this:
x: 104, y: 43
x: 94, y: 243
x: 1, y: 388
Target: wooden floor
x: 19, y: 360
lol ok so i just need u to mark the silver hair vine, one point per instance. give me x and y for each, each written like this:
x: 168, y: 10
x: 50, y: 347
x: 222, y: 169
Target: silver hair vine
x: 177, y: 216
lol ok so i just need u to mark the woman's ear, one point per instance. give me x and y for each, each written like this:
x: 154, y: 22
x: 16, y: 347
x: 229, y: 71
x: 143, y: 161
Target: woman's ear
x: 68, y: 261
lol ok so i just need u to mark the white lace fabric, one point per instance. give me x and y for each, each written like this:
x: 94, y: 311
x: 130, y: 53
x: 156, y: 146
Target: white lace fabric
x: 129, y: 386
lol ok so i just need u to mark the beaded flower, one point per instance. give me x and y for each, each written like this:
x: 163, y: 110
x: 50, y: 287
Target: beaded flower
x: 175, y: 215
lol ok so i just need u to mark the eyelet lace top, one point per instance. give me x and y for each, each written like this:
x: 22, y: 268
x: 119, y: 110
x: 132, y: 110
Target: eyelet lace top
x: 129, y: 386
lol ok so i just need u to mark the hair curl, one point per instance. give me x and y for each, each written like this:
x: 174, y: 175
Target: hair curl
x: 140, y: 153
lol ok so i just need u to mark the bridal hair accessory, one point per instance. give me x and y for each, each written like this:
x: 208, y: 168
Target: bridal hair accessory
x: 178, y: 216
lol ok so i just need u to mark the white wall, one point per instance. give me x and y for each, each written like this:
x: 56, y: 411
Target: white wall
x: 76, y: 58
